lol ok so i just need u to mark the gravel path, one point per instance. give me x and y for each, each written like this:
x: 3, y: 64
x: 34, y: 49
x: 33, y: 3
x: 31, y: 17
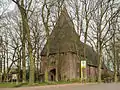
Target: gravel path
x: 111, y: 86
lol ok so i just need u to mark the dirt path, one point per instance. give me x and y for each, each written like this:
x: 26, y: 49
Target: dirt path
x: 75, y: 86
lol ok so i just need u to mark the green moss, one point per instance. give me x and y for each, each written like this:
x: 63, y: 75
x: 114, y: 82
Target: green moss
x: 7, y: 85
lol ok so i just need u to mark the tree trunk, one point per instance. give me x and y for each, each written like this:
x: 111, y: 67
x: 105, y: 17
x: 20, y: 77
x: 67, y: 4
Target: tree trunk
x: 31, y: 76
x: 115, y: 59
x: 99, y: 49
x: 23, y: 43
x: 4, y: 66
x: 27, y: 29
x: 38, y: 60
x: 99, y: 64
x: 47, y: 58
x: 23, y: 56
x: 19, y: 65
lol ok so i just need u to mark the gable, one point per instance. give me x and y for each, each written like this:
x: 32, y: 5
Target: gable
x: 65, y: 39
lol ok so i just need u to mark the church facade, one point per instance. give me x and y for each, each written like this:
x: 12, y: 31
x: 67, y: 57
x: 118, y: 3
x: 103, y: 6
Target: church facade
x: 65, y: 52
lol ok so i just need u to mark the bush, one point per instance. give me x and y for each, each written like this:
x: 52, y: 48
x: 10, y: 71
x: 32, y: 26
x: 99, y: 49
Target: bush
x: 106, y: 77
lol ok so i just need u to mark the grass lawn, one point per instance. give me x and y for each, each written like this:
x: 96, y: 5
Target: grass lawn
x: 7, y: 85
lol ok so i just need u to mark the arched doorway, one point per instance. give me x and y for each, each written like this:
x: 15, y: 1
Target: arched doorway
x: 52, y: 74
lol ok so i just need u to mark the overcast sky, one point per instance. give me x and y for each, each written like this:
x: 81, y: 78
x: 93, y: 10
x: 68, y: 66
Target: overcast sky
x: 12, y: 6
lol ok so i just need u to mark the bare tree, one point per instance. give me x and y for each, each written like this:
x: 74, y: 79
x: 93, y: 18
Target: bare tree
x: 102, y: 28
x: 26, y: 32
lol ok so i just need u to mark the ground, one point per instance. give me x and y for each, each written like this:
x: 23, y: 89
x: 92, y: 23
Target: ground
x: 76, y: 86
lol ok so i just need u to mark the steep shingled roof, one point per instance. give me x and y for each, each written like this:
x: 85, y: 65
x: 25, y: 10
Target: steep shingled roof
x: 65, y: 39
